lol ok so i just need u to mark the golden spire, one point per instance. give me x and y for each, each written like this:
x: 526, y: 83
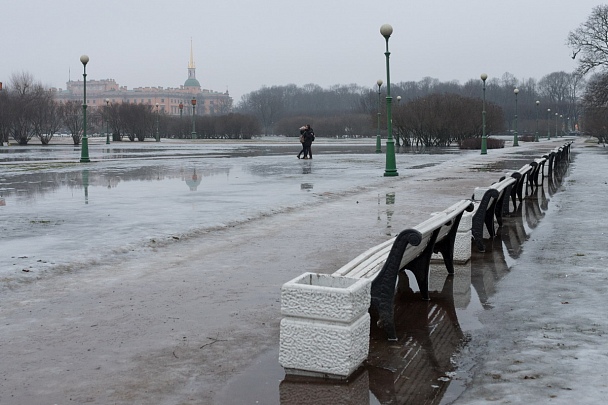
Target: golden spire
x: 191, y: 64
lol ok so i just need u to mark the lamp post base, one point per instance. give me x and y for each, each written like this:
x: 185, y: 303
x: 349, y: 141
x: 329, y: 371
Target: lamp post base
x: 378, y: 144
x: 391, y: 165
x: 193, y: 135
x: 484, y: 145
x: 84, y: 151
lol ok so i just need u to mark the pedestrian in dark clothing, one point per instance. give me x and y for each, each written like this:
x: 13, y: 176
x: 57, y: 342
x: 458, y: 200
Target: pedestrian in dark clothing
x: 309, y: 137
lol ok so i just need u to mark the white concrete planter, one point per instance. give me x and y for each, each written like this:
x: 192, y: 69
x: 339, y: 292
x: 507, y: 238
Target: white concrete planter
x: 325, y: 329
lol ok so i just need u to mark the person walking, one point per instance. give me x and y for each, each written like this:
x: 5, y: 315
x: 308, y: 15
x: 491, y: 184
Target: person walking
x: 309, y: 137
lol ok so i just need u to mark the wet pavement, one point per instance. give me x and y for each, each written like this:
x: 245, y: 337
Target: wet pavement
x: 153, y: 274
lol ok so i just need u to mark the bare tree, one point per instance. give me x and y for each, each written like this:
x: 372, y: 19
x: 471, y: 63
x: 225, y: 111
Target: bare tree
x: 47, y: 118
x: 589, y: 42
x: 72, y: 117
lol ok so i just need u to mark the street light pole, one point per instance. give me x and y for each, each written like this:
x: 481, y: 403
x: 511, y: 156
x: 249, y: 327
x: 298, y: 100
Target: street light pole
x: 515, y: 140
x: 536, y: 134
x: 556, y: 115
x: 193, y: 118
x: 398, y: 133
x: 561, y: 121
x: 484, y: 137
x: 391, y: 167
x: 84, y: 150
x: 378, y: 142
x: 548, y: 123
x: 157, y: 132
x: 181, y: 110
x: 107, y: 121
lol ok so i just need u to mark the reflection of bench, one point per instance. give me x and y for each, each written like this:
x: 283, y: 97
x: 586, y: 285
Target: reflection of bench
x: 411, y: 250
x: 492, y: 203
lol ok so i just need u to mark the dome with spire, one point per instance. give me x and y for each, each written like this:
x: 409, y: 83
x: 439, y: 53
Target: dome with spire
x: 191, y: 81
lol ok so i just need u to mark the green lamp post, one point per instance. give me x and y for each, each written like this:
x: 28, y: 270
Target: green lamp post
x: 378, y: 142
x: 484, y: 137
x: 548, y: 123
x: 391, y: 167
x: 84, y: 150
x: 515, y: 140
x: 157, y: 131
x: 181, y: 110
x: 193, y: 118
x: 398, y: 136
x: 536, y: 134
x: 561, y: 122
x: 556, y: 115
x: 107, y: 121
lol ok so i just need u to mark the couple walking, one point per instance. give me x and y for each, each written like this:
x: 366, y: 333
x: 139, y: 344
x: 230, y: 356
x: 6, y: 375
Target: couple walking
x: 307, y: 135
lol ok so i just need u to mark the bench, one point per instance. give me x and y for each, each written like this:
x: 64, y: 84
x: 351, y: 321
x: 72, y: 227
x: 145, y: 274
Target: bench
x: 522, y: 177
x: 412, y: 250
x: 491, y: 204
x: 538, y: 169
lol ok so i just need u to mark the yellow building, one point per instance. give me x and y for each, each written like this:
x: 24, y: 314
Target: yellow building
x: 168, y: 100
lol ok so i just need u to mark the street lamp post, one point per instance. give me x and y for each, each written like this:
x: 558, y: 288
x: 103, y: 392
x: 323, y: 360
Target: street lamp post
x: 548, y: 123
x: 107, y: 121
x: 484, y: 137
x: 193, y: 118
x: 536, y: 134
x: 181, y: 110
x: 84, y: 150
x: 515, y: 140
x: 561, y: 124
x: 157, y: 132
x: 397, y: 140
x: 391, y: 167
x: 556, y: 115
x: 378, y: 142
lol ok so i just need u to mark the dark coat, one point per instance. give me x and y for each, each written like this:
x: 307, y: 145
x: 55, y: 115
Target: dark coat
x: 309, y: 136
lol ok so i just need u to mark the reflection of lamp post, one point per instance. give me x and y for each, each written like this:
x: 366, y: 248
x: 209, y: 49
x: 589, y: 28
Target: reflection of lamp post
x: 157, y: 133
x: 548, y: 123
x: 378, y: 142
x: 107, y: 121
x: 556, y: 115
x: 515, y: 140
x: 484, y: 137
x: 84, y: 150
x: 536, y: 134
x: 391, y: 168
x: 398, y: 133
x: 193, y: 120
x: 85, y: 185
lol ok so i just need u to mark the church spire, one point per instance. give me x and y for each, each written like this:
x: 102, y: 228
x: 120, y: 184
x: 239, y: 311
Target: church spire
x: 192, y: 83
x: 191, y: 64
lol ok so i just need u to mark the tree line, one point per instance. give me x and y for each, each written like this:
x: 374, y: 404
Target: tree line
x: 426, y: 112
x: 29, y: 111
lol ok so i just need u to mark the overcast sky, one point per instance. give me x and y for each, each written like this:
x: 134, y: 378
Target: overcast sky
x: 242, y: 45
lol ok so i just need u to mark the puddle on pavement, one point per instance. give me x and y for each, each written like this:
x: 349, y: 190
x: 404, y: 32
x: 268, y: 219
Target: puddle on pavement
x: 422, y: 366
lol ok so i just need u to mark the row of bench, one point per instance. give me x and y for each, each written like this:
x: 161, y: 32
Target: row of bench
x: 378, y: 268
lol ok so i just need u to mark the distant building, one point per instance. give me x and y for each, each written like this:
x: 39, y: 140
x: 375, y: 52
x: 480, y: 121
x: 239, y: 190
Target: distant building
x: 208, y: 102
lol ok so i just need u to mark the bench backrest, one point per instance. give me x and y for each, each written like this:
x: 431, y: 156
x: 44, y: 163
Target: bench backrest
x: 369, y: 263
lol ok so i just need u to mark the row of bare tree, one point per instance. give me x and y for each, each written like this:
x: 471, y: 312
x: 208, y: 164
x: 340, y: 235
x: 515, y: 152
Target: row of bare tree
x: 28, y: 110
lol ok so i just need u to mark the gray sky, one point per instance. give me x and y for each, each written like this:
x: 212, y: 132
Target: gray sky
x: 242, y: 45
